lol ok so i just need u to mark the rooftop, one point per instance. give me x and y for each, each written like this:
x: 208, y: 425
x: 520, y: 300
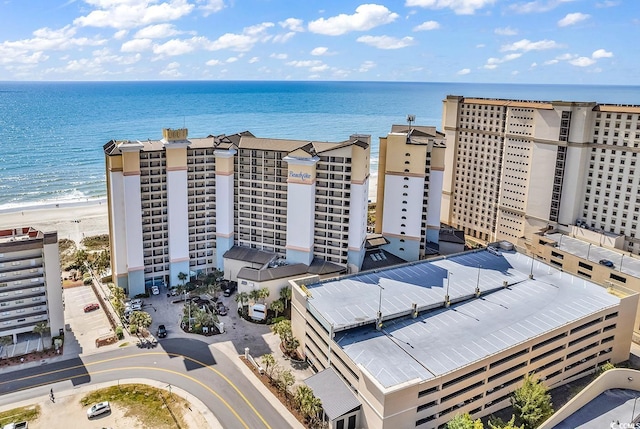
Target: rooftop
x: 609, y: 406
x: 441, y: 339
x: 622, y: 261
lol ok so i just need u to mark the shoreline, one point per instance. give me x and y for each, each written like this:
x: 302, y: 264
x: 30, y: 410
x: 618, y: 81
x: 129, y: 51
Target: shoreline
x: 71, y: 219
x: 76, y: 219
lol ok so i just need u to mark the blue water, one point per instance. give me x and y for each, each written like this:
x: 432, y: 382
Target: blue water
x: 52, y: 133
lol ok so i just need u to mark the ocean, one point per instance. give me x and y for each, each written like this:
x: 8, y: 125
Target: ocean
x: 52, y: 133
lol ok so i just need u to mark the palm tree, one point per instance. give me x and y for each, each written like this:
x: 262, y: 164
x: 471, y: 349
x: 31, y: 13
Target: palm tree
x: 308, y: 404
x: 140, y: 319
x: 285, y: 380
x: 285, y: 295
x: 277, y: 307
x: 41, y: 328
x: 242, y: 298
x: 4, y: 342
x: 269, y: 363
x: 263, y: 294
x: 254, y: 295
x: 182, y: 277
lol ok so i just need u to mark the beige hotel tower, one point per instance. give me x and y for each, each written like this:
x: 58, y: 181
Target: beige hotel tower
x: 176, y: 205
x: 521, y: 167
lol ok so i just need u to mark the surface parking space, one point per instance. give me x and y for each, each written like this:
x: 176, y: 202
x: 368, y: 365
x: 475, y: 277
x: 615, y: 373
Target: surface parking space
x: 86, y: 327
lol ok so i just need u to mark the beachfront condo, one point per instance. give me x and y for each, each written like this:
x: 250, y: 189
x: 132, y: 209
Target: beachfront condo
x: 178, y: 204
x: 409, y: 192
x: 30, y: 282
x: 515, y: 169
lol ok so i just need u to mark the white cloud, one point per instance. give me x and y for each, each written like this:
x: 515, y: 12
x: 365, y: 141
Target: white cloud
x: 210, y: 6
x: 506, y: 31
x: 278, y: 56
x: 534, y: 64
x: 253, y: 60
x: 158, y: 31
x: 427, y: 26
x: 293, y: 24
x: 231, y: 60
x: 480, y: 45
x: 601, y: 53
x: 171, y: 70
x: 57, y: 40
x: 572, y: 18
x: 460, y: 7
x: 136, y: 45
x: 319, y: 68
x: 282, y: 38
x: 130, y: 14
x: 527, y: 45
x: 120, y: 34
x: 537, y: 6
x: 242, y: 42
x: 490, y: 66
x: 320, y: 50
x: 463, y: 72
x: 551, y: 62
x: 607, y: 3
x: 565, y: 57
x: 213, y: 62
x: 582, y: 62
x: 175, y: 47
x: 508, y: 57
x: 305, y: 63
x: 366, y: 66
x: 367, y: 16
x: 386, y: 42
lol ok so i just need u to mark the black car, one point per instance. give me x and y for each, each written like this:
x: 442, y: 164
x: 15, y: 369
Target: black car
x: 229, y: 287
x: 221, y: 309
x: 162, y: 331
x: 606, y: 263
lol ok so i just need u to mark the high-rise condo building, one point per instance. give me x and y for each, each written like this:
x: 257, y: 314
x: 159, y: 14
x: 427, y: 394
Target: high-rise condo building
x: 176, y: 205
x: 30, y: 284
x: 410, y: 175
x: 516, y: 168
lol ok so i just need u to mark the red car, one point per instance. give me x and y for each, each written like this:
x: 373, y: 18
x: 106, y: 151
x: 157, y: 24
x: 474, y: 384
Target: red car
x: 91, y: 307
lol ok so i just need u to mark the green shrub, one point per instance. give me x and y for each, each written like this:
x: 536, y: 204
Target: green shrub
x: 119, y: 332
x: 277, y: 319
x: 87, y: 281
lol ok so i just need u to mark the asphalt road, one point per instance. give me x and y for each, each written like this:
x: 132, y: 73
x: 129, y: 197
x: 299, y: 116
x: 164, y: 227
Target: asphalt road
x: 186, y: 363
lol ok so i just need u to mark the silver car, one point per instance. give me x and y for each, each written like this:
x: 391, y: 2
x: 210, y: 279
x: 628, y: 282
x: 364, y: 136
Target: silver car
x: 97, y: 409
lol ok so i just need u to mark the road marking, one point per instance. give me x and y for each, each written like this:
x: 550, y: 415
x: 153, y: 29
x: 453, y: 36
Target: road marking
x: 159, y: 369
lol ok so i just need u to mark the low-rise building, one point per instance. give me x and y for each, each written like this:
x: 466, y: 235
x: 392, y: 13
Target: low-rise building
x: 30, y: 283
x: 424, y: 341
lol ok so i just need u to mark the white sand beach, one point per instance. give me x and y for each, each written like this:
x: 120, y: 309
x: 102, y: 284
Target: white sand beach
x: 78, y: 219
x: 73, y: 220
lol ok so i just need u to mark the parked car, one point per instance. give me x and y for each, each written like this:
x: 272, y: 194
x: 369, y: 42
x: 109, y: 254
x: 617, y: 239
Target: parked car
x: 136, y: 301
x: 606, y: 263
x: 229, y: 287
x: 97, y: 409
x: 134, y: 307
x: 155, y: 290
x: 221, y: 309
x: 174, y: 291
x: 162, y: 331
x: 91, y: 307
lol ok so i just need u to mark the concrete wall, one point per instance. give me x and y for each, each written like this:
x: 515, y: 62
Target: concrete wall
x: 619, y: 378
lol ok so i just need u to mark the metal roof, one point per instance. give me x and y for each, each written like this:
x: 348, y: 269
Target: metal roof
x: 441, y: 339
x: 248, y: 254
x: 337, y: 398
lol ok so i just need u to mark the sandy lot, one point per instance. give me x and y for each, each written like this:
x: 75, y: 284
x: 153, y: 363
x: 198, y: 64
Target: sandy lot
x: 67, y: 412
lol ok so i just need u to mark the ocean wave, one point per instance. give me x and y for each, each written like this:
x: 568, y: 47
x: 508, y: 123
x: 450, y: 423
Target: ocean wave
x: 73, y: 200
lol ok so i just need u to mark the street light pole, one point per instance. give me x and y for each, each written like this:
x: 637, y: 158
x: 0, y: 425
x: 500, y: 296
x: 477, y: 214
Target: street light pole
x: 379, y: 318
x: 633, y: 413
x: 588, y: 251
x: 446, y: 297
x: 478, y: 281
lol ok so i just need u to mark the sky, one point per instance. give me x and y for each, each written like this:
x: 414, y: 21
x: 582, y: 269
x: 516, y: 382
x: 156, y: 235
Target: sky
x: 477, y: 41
